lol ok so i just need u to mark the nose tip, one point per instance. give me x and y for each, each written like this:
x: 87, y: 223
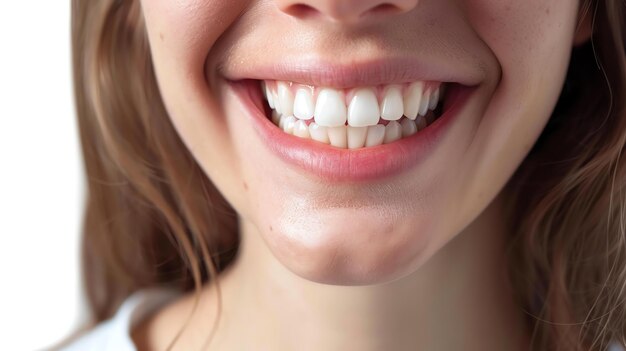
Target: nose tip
x: 345, y: 11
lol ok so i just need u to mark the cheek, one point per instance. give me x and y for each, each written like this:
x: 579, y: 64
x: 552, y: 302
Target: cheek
x: 182, y: 35
x: 532, y: 43
x: 183, y: 32
x: 524, y: 35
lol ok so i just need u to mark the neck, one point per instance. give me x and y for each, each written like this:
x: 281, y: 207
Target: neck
x: 459, y: 300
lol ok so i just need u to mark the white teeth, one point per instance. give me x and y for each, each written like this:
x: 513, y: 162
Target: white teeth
x: 277, y: 106
x: 285, y: 99
x: 356, y: 137
x: 424, y: 104
x: 352, y: 137
x: 392, y: 108
x: 328, y: 113
x: 281, y: 122
x: 412, y: 99
x: 300, y: 129
x: 268, y: 95
x: 375, y: 135
x: 288, y: 124
x: 434, y: 100
x: 393, y: 132
x: 421, y: 122
x: 330, y: 108
x: 408, y: 127
x: 318, y: 133
x: 363, y: 110
x: 338, y: 136
x: 303, y: 105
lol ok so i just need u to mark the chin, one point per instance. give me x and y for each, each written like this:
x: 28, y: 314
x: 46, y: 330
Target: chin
x: 350, y: 247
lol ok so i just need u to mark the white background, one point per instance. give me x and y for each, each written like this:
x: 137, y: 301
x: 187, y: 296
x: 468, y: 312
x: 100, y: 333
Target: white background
x: 41, y: 177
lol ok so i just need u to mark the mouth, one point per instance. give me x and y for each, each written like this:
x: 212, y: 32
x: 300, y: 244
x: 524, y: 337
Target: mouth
x: 353, y: 118
x: 360, y: 133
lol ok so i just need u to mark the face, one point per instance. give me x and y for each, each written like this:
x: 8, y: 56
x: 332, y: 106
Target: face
x: 364, y: 173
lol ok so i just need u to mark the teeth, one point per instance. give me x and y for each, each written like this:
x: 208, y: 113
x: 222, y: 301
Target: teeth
x: 281, y: 122
x: 434, y: 100
x: 408, y: 127
x: 363, y: 110
x: 391, y: 108
x: 277, y: 106
x: 275, y: 116
x: 412, y: 99
x: 356, y: 137
x: 421, y: 122
x: 338, y: 136
x: 352, y: 137
x: 424, y: 104
x: 303, y: 105
x: 285, y: 99
x: 300, y: 129
x: 319, y: 133
x: 330, y: 109
x: 375, y: 135
x: 393, y: 132
x: 288, y: 124
x: 326, y: 116
x: 268, y: 95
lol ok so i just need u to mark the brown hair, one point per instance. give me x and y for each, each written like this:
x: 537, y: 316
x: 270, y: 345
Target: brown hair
x: 153, y: 218
x: 568, y: 250
x: 151, y: 212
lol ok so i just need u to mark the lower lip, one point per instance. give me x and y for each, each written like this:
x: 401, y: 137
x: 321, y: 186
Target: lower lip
x: 344, y: 165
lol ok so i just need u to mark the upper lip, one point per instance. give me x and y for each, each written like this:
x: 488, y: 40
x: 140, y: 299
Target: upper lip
x: 372, y: 72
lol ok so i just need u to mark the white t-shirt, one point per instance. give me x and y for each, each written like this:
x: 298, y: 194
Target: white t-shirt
x: 114, y: 334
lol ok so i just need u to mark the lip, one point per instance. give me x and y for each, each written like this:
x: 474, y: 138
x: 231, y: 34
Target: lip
x: 344, y: 165
x: 322, y: 73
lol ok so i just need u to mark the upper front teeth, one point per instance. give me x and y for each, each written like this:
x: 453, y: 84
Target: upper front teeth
x: 413, y: 100
x: 359, y: 107
x: 303, y: 105
x: 392, y: 107
x: 330, y: 108
x: 285, y: 99
x: 363, y: 110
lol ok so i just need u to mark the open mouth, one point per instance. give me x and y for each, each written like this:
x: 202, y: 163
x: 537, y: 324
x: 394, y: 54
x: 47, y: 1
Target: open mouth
x: 354, y: 118
x: 346, y: 133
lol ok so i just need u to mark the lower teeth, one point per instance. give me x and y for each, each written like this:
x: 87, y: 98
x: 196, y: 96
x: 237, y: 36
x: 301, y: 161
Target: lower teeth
x: 353, y: 137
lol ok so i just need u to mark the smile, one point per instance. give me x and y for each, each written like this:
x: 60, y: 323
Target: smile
x: 342, y: 132
x: 353, y: 118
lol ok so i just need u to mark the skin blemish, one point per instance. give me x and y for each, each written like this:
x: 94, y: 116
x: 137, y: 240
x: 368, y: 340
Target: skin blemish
x: 161, y: 36
x: 271, y: 229
x: 245, y: 186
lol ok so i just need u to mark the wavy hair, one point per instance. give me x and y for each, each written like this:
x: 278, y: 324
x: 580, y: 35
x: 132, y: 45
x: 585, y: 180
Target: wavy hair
x: 153, y: 218
x: 568, y: 209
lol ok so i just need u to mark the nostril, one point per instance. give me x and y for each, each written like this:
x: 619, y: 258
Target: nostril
x: 384, y: 9
x: 345, y: 10
x: 300, y: 10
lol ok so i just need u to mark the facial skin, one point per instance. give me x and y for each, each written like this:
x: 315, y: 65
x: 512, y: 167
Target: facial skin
x: 375, y: 231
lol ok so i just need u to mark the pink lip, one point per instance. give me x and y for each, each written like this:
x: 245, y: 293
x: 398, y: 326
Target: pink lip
x: 339, y: 165
x: 319, y: 72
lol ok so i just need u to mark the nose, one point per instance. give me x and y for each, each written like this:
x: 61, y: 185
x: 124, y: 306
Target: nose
x: 345, y: 11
